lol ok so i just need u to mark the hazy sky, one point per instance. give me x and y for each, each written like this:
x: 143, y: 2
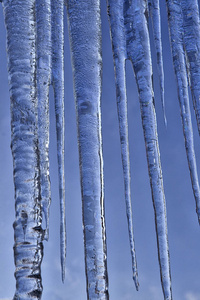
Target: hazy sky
x: 183, y: 228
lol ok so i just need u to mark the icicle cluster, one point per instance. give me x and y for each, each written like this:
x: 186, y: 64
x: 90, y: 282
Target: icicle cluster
x: 35, y: 60
x: 31, y: 35
x: 130, y: 40
x: 184, y: 28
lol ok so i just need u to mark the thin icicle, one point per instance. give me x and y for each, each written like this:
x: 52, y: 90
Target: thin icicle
x: 28, y: 248
x: 85, y: 38
x: 154, y: 9
x: 115, y: 11
x: 43, y: 23
x: 133, y: 27
x: 191, y: 27
x: 138, y: 50
x: 58, y: 86
x: 176, y: 29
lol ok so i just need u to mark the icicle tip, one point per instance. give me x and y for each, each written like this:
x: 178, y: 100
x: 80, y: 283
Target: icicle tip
x: 198, y: 215
x: 135, y: 278
x: 46, y: 234
x: 63, y: 274
x: 165, y: 120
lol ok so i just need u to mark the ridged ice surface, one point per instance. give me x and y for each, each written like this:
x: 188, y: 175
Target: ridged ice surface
x: 130, y: 40
x: 28, y: 248
x: 176, y: 23
x: 85, y: 36
x: 154, y: 10
x: 191, y: 28
x: 43, y: 40
x: 31, y: 31
x: 58, y: 87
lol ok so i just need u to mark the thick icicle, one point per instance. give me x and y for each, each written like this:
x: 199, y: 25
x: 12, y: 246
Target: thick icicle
x: 154, y: 9
x: 28, y: 247
x: 43, y: 23
x: 85, y: 37
x: 58, y: 86
x: 176, y: 34
x: 115, y: 11
x: 138, y: 51
x: 191, y: 27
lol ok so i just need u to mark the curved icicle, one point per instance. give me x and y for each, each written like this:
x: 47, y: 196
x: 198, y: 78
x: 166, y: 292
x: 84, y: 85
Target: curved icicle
x: 175, y: 25
x: 85, y: 38
x: 28, y: 248
x: 191, y: 27
x: 43, y: 76
x: 154, y: 9
x: 58, y: 86
x: 115, y: 10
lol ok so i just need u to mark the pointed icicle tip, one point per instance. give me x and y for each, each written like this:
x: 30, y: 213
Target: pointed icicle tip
x: 46, y: 234
x: 63, y: 274
x: 135, y: 278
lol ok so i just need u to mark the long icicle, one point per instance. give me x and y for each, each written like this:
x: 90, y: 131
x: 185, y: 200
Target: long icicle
x: 21, y: 49
x: 58, y: 86
x: 43, y: 23
x: 176, y: 25
x: 191, y: 27
x: 85, y: 28
x: 115, y: 11
x: 154, y: 9
x: 138, y: 51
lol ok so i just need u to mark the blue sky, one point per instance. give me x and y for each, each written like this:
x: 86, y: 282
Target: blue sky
x: 183, y: 228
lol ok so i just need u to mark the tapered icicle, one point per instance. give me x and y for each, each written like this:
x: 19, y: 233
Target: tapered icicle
x: 138, y: 50
x: 28, y: 248
x: 154, y: 9
x: 133, y: 28
x: 58, y: 86
x: 43, y: 24
x: 115, y: 11
x: 85, y: 38
x: 176, y: 34
x: 191, y: 29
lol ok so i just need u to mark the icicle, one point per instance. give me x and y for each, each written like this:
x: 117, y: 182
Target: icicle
x: 85, y: 37
x: 43, y: 23
x: 58, y: 86
x: 191, y: 26
x: 28, y: 247
x: 133, y: 28
x: 115, y: 11
x: 154, y: 9
x: 138, y: 50
x: 175, y: 26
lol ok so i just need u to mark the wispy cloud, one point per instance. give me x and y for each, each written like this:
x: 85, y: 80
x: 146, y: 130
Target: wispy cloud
x: 192, y: 296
